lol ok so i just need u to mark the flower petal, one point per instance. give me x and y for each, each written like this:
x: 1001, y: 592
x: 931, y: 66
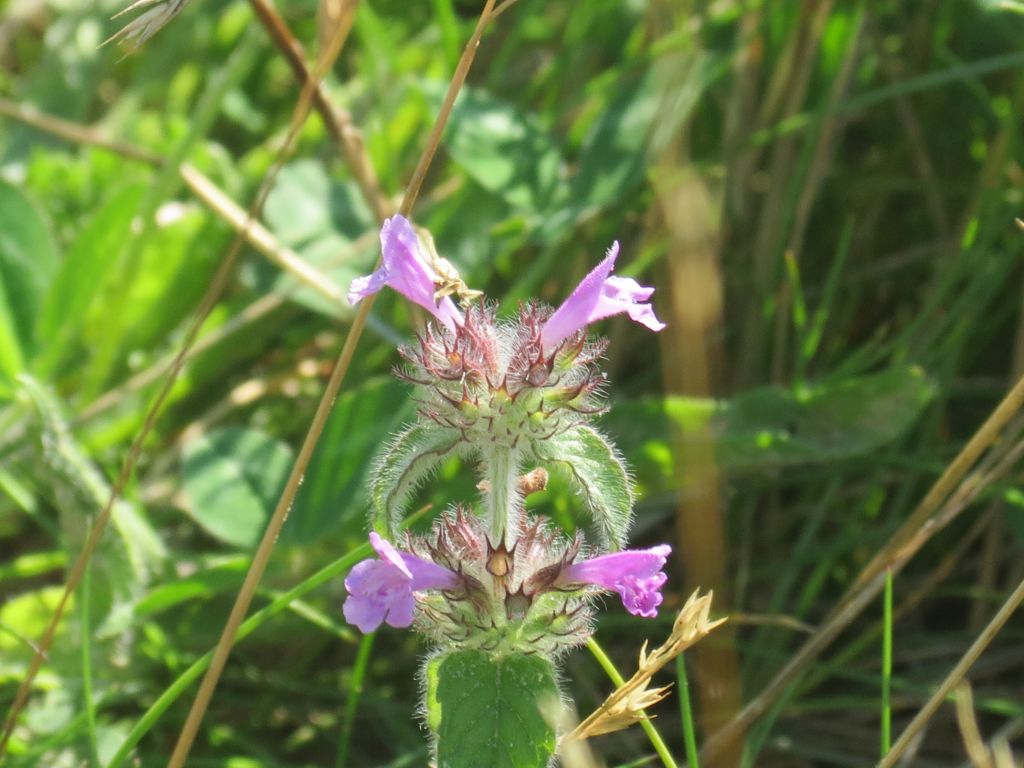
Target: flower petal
x: 600, y: 295
x: 376, y: 588
x: 387, y: 552
x: 382, y: 590
x: 574, y: 313
x: 365, y: 614
x: 641, y: 597
x: 423, y: 573
x: 404, y: 268
x: 634, y: 573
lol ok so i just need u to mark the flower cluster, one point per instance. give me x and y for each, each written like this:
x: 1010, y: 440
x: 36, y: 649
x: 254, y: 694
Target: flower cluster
x: 508, y: 393
x: 498, y: 384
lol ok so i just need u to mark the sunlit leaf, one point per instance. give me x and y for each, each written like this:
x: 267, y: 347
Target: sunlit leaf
x: 233, y: 478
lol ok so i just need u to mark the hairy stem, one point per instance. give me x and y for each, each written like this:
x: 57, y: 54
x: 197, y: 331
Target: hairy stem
x: 501, y: 497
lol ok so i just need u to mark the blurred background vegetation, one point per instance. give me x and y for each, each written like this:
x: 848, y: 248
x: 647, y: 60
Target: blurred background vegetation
x: 823, y: 193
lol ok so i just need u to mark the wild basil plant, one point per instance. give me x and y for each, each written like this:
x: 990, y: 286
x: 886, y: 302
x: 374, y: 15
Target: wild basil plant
x: 498, y: 592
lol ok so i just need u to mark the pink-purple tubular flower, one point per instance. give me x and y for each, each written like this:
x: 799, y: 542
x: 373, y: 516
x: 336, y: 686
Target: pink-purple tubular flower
x: 405, y: 269
x: 634, y: 573
x: 600, y: 295
x: 382, y: 590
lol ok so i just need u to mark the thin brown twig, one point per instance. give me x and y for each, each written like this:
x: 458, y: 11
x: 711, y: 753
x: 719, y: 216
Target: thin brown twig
x: 903, y: 545
x: 954, y: 677
x: 201, y: 186
x: 263, y: 551
x: 338, y: 121
x: 99, y: 525
x: 79, y: 134
x: 266, y: 546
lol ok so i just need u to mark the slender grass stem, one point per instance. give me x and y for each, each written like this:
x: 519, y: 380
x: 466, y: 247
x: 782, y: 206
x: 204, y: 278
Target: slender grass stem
x: 86, y: 639
x: 185, y: 679
x: 359, y: 670
x: 265, y: 548
x: 686, y: 712
x: 279, y: 604
x: 652, y: 733
x: 954, y: 677
x: 887, y: 664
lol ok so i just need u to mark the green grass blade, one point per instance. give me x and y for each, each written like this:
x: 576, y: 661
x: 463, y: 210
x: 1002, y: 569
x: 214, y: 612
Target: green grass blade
x: 359, y: 670
x: 178, y: 687
x: 86, y: 640
x: 686, y: 712
x: 887, y: 665
x: 652, y: 733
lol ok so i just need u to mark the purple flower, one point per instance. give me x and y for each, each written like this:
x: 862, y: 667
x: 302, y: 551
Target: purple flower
x: 406, y: 269
x: 381, y: 590
x: 600, y: 295
x: 635, y: 574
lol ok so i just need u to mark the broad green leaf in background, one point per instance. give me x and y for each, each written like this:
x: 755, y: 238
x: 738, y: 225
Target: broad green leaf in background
x: 222, y: 575
x: 233, y: 477
x: 306, y: 204
x: 65, y: 475
x: 83, y: 271
x: 504, y: 150
x: 28, y: 259
x: 770, y: 427
x: 487, y: 710
x: 135, y: 305
x: 334, y: 492
x: 322, y: 220
x: 297, y: 208
x: 163, y: 287
x: 25, y: 617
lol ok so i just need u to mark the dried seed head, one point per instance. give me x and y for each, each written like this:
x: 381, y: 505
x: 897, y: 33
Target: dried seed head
x: 626, y: 704
x: 147, y: 24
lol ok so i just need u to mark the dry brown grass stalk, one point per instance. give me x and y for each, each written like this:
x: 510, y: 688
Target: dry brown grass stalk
x: 101, y: 521
x: 214, y: 198
x: 339, y: 122
x: 266, y: 545
x: 628, y: 703
x: 949, y: 495
x: 955, y: 676
x: 981, y: 755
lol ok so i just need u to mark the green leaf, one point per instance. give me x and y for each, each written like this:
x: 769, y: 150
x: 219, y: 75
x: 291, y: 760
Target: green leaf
x: 82, y: 273
x: 338, y: 261
x: 1014, y: 512
x: 27, y: 263
x: 597, y: 472
x: 487, y: 710
x: 770, y: 427
x: 233, y: 478
x: 504, y: 150
x: 408, y: 461
x: 64, y: 474
x: 215, y: 579
x: 334, y: 491
x: 152, y: 294
x: 305, y: 205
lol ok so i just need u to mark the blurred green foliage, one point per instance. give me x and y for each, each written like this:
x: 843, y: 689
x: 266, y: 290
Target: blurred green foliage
x: 878, y: 142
